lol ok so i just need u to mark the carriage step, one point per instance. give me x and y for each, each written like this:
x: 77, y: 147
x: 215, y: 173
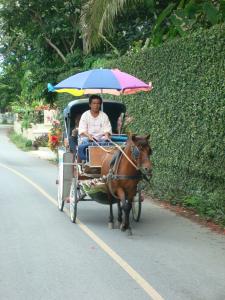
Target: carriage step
x: 88, y: 175
x: 92, y: 170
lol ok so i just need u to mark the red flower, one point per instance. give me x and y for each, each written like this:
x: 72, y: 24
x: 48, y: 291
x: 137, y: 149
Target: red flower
x: 54, y: 139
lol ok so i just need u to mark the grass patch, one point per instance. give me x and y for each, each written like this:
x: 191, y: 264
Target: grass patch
x: 20, y: 141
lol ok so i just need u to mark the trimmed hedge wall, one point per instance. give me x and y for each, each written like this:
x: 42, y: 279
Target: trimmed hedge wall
x: 185, y: 115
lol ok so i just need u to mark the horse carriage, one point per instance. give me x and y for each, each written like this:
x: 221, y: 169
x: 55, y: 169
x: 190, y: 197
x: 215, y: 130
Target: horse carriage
x: 108, y: 172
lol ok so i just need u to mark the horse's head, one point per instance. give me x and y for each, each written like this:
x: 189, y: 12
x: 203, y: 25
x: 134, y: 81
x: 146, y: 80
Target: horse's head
x: 141, y: 152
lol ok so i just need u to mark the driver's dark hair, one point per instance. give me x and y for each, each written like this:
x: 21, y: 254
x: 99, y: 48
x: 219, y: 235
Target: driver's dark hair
x: 95, y: 97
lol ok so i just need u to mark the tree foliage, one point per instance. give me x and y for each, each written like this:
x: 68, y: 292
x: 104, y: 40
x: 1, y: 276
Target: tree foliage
x: 53, y: 24
x: 97, y: 19
x: 50, y: 39
x: 145, y: 23
x: 39, y: 38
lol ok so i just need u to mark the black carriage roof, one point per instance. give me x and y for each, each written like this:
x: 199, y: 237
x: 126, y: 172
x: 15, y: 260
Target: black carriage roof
x: 79, y: 106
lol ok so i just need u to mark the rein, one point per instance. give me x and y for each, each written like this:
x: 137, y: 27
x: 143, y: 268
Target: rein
x: 133, y: 164
x: 117, y: 146
x: 107, y: 151
x: 141, y: 173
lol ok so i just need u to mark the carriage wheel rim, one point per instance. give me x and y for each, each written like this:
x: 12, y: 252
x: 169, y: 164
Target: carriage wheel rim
x: 60, y: 200
x: 73, y: 201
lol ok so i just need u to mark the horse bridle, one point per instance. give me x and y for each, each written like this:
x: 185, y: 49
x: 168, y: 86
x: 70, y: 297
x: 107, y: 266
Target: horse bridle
x: 135, y: 154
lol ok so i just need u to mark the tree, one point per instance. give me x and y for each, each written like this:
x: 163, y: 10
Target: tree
x: 53, y: 24
x: 39, y: 38
x: 163, y: 20
x: 97, y: 18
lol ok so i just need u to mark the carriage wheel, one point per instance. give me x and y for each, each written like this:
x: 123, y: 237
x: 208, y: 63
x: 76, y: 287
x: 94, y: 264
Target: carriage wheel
x: 60, y: 200
x: 59, y: 195
x: 73, y: 200
x: 136, y: 206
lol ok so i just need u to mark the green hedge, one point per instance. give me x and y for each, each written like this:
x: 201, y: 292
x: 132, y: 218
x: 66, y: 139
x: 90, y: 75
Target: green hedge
x: 185, y: 115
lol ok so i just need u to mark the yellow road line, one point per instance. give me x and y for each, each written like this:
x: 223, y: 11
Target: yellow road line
x: 37, y: 187
x: 119, y: 260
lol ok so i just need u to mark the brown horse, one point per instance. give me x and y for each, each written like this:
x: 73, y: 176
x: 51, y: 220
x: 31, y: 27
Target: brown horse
x: 123, y: 170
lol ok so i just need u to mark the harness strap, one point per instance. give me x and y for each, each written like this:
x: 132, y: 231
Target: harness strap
x: 111, y: 190
x: 109, y: 182
x: 115, y: 160
x: 111, y: 176
x: 123, y: 177
x: 133, y: 164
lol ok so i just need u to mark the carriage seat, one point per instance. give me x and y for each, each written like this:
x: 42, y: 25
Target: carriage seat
x: 83, y: 148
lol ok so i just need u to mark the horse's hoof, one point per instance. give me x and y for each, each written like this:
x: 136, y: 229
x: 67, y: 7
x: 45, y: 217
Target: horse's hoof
x: 129, y: 232
x: 123, y: 227
x: 110, y: 225
x: 118, y: 225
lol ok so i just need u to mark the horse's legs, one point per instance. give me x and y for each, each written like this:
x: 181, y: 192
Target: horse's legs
x: 126, y: 206
x: 119, y: 218
x: 119, y: 213
x: 111, y: 218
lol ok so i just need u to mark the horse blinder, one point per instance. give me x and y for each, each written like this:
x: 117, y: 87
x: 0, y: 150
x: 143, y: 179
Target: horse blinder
x: 135, y: 152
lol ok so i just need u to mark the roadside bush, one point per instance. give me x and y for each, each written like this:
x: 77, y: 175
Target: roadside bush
x: 28, y: 143
x: 185, y: 115
x: 20, y: 141
x: 41, y: 141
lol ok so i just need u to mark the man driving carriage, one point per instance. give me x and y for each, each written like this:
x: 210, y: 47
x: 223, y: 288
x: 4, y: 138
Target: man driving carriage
x: 94, y: 124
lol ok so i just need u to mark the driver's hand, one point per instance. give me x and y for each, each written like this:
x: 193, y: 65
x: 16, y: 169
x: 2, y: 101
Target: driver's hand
x: 107, y: 137
x: 90, y: 137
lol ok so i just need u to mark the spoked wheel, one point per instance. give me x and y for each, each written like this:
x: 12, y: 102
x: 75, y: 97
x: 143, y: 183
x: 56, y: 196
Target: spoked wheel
x: 74, y: 198
x: 136, y: 206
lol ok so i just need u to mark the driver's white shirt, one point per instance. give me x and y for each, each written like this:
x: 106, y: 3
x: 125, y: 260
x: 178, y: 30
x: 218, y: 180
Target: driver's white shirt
x: 96, y: 126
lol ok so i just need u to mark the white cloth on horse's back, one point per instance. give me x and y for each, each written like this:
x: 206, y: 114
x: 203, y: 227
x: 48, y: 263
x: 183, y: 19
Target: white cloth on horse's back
x: 96, y: 126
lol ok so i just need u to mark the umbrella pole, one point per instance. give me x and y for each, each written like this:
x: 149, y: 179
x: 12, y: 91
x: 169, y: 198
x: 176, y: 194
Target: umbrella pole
x: 102, y: 106
x: 65, y: 125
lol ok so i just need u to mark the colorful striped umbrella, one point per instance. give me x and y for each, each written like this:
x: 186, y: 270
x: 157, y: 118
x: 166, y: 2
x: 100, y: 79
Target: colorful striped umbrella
x: 101, y: 81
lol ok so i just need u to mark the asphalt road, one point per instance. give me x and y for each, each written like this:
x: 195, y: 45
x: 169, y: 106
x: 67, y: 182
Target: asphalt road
x: 44, y: 256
